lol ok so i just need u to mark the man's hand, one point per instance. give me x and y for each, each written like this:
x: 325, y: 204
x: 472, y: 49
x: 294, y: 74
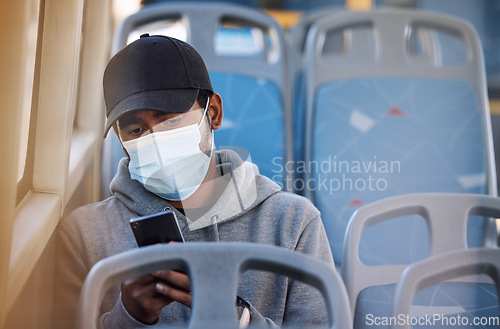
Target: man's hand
x: 146, y: 296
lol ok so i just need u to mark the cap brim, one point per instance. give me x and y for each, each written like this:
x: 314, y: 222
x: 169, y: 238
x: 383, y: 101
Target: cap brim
x: 168, y: 101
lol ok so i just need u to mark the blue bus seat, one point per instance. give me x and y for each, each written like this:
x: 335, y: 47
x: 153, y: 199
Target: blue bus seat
x: 495, y: 126
x: 442, y: 304
x: 387, y: 115
x: 253, y: 116
x: 447, y: 219
x: 243, y: 49
x: 483, y: 15
x: 425, y: 290
x: 296, y: 41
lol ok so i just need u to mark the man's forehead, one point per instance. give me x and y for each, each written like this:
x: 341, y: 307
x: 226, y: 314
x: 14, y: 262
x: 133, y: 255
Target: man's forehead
x: 138, y: 116
x: 142, y: 115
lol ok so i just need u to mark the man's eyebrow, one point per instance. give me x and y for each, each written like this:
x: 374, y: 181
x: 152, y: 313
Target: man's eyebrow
x: 126, y: 121
x: 179, y: 116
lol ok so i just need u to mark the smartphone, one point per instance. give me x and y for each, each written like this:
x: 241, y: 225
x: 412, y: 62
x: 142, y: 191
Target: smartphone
x: 161, y: 227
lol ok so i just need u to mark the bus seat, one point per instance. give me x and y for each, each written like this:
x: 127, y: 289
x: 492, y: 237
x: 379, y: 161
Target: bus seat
x: 295, y: 42
x: 447, y: 219
x: 214, y: 270
x: 243, y: 49
x: 472, y: 297
x: 483, y: 15
x: 495, y: 127
x: 386, y: 115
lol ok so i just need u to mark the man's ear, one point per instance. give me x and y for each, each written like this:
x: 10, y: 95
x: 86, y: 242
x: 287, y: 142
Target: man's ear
x: 115, y: 129
x: 215, y: 111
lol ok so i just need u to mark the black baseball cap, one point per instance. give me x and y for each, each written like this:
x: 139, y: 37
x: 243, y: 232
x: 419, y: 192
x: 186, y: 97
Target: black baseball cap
x: 153, y: 73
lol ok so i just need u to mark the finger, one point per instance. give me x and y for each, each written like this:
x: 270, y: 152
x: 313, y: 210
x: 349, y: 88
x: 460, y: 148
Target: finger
x: 143, y: 292
x: 138, y: 282
x: 169, y: 292
x: 178, y: 279
x: 141, y: 280
x: 143, y: 301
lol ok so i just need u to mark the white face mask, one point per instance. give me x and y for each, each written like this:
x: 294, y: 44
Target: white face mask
x: 170, y: 163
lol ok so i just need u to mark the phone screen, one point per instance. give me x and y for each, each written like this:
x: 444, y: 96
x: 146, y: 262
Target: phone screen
x: 161, y: 227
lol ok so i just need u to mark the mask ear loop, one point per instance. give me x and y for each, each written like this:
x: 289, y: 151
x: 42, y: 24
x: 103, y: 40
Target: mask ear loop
x: 204, y: 112
x: 212, y: 148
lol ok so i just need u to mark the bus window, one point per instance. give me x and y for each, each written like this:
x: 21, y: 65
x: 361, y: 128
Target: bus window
x: 28, y: 88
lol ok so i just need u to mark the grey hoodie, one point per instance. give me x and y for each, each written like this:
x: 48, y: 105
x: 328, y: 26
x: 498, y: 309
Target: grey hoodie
x: 251, y: 209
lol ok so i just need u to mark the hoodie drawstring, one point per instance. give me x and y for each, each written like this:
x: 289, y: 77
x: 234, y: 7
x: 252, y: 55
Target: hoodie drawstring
x: 215, y: 228
x: 242, y: 207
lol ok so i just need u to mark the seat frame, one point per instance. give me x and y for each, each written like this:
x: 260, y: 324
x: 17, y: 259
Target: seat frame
x: 214, y: 270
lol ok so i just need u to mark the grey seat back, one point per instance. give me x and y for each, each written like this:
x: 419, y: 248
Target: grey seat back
x: 389, y: 115
x: 458, y: 264
x: 214, y: 270
x: 446, y: 216
x: 296, y: 48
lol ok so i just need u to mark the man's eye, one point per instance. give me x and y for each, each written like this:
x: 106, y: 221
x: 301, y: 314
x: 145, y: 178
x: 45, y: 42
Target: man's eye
x: 135, y: 131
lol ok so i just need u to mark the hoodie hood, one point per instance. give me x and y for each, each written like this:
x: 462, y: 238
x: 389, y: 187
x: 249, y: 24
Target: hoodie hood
x: 245, y: 189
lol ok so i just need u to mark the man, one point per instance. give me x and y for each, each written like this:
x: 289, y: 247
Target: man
x: 161, y: 105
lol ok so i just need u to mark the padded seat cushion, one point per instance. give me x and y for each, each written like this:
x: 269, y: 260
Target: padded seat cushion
x: 376, y: 138
x: 445, y: 303
x: 253, y: 119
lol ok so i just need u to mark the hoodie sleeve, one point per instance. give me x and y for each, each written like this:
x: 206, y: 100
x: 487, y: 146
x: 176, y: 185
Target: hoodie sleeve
x: 84, y: 237
x: 119, y: 318
x: 70, y: 275
x: 314, y: 242
x: 304, y: 304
